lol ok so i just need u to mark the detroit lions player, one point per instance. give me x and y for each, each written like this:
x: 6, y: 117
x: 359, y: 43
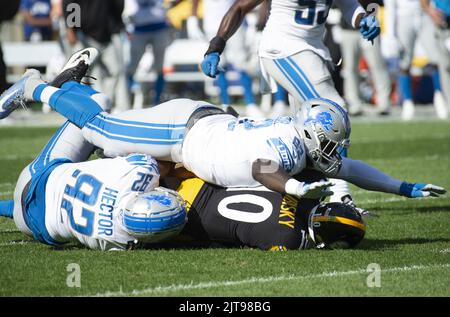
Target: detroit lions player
x: 103, y: 204
x: 218, y: 147
x: 292, y: 51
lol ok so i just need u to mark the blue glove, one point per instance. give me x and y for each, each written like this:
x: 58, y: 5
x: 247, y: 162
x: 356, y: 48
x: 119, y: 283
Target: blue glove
x: 210, y: 64
x: 421, y: 190
x: 369, y: 27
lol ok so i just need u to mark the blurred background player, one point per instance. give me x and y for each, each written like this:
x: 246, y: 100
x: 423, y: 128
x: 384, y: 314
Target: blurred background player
x: 439, y: 12
x: 9, y: 10
x: 406, y: 24
x: 292, y: 50
x: 236, y: 54
x: 352, y: 47
x: 37, y: 20
x: 101, y: 26
x: 147, y: 24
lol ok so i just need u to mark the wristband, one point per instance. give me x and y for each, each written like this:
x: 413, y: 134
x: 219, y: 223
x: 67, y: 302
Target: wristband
x: 291, y: 187
x: 217, y: 45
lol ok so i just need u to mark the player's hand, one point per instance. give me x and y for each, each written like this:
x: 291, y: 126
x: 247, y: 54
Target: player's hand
x: 314, y: 190
x: 210, y: 64
x: 421, y: 190
x: 437, y: 16
x: 369, y: 27
x: 194, y: 31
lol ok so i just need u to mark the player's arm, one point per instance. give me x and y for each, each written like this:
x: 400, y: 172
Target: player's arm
x: 229, y: 25
x: 271, y: 175
x: 368, y: 177
x: 436, y: 15
x: 355, y: 15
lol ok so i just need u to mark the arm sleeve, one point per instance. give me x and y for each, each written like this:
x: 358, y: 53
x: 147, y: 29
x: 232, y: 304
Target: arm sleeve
x: 367, y: 177
x: 350, y: 10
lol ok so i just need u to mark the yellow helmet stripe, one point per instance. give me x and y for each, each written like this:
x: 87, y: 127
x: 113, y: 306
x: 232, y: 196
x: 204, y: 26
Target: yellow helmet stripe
x: 343, y: 220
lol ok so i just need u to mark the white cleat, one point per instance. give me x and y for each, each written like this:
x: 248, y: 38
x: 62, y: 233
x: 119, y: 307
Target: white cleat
x: 408, y: 110
x: 76, y: 67
x: 253, y: 111
x: 14, y: 97
x: 440, y: 105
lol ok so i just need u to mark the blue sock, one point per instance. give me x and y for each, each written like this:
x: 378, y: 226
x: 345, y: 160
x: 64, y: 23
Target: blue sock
x: 404, y: 83
x: 76, y: 107
x: 73, y: 86
x: 7, y: 208
x: 246, y: 83
x: 223, y: 85
x: 436, y: 80
x: 280, y: 95
x: 159, y: 88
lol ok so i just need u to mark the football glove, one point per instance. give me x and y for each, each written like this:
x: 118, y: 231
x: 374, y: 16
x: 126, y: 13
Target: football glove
x: 369, y: 27
x: 314, y: 190
x: 421, y: 190
x: 210, y: 64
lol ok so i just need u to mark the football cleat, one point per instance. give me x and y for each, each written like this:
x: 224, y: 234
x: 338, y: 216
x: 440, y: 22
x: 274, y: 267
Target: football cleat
x: 76, y: 67
x: 13, y: 97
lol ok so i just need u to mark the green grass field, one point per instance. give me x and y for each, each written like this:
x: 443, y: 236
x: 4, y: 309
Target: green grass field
x: 409, y: 240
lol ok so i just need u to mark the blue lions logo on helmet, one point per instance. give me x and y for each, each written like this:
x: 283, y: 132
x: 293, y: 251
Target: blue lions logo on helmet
x: 324, y: 118
x: 161, y: 199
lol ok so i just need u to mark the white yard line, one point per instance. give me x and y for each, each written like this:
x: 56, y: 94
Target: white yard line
x: 11, y: 243
x: 2, y: 194
x: 262, y: 280
x: 10, y: 231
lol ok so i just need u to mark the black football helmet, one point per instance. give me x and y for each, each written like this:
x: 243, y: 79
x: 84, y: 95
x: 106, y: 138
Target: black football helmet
x: 336, y: 226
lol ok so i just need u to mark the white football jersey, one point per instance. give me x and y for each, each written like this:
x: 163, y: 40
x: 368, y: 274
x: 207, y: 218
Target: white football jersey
x: 83, y: 200
x: 299, y: 25
x: 220, y: 149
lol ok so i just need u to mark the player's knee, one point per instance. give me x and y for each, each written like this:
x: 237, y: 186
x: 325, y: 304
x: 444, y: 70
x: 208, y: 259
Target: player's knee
x: 103, y: 101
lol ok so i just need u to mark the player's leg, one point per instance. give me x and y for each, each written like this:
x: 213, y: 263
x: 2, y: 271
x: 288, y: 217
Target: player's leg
x: 439, y: 57
x: 305, y: 76
x: 236, y: 54
x: 160, y: 40
x: 351, y: 52
x: 380, y: 74
x: 407, y: 38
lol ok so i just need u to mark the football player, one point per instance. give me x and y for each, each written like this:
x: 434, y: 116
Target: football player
x: 263, y: 219
x: 218, y: 147
x: 292, y: 50
x: 109, y: 204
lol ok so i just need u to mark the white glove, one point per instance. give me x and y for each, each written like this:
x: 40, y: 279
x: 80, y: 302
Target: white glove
x: 314, y: 190
x: 194, y: 31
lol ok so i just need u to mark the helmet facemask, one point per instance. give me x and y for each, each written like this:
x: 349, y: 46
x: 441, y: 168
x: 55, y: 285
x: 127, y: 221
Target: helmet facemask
x: 325, y: 129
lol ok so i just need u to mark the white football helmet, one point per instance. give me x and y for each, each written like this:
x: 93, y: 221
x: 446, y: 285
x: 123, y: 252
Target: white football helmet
x: 154, y: 216
x: 325, y: 129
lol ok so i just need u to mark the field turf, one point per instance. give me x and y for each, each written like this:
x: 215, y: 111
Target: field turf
x: 409, y: 239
